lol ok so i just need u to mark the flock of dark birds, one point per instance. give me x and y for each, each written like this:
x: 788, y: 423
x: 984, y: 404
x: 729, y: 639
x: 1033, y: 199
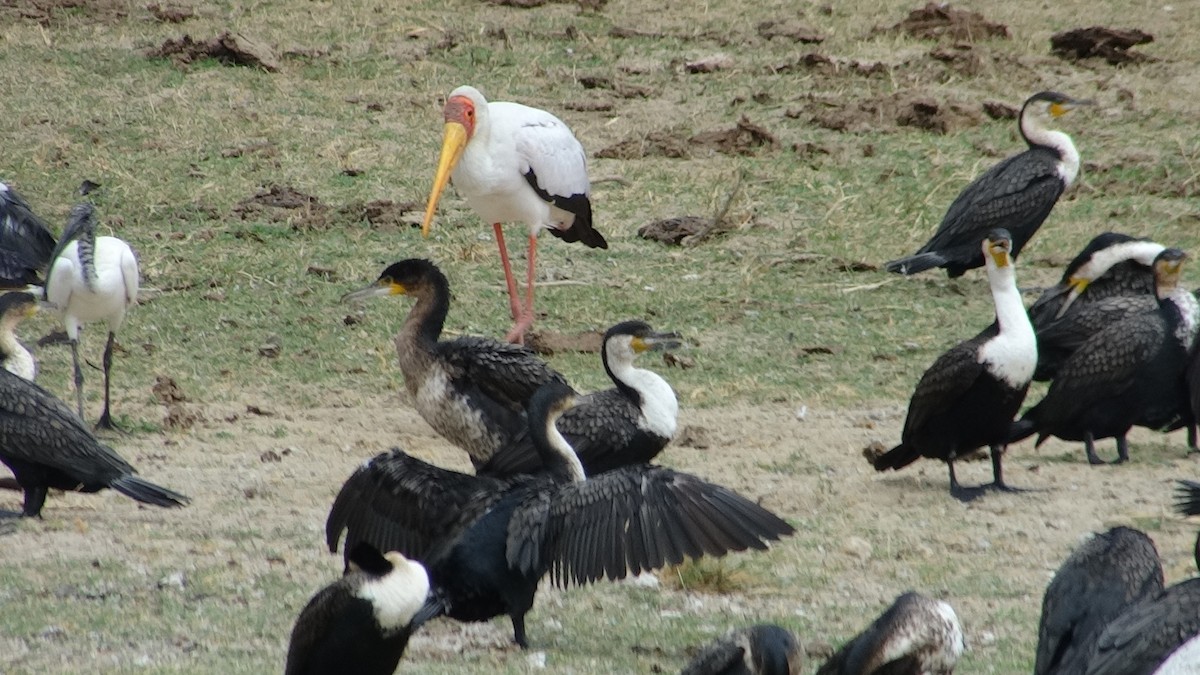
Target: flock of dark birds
x: 565, y: 485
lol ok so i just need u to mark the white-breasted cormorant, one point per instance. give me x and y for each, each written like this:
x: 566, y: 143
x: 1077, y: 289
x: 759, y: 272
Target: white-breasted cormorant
x: 1102, y: 578
x: 361, y: 623
x: 471, y: 390
x: 15, y: 307
x: 513, y: 163
x: 25, y: 242
x: 1110, y: 279
x: 1016, y: 194
x: 46, y: 445
x: 488, y: 541
x: 1132, y: 372
x: 967, y: 399
x: 91, y: 279
x: 915, y: 635
x: 627, y: 424
x: 763, y: 649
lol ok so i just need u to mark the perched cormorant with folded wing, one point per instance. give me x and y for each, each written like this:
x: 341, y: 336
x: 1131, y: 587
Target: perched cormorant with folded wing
x: 627, y: 424
x: 471, y: 390
x: 488, y: 541
x: 967, y: 399
x: 1016, y: 194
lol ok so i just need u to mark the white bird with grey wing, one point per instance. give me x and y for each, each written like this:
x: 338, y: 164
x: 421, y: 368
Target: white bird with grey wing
x: 92, y: 279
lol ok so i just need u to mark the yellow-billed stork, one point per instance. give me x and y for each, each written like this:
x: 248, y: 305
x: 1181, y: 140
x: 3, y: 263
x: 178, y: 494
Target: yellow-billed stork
x: 514, y: 163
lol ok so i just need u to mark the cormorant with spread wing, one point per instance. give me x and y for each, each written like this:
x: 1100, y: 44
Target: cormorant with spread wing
x: 488, y: 541
x: 1016, y: 194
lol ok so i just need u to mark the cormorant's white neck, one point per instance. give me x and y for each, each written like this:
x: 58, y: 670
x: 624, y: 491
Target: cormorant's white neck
x: 398, y: 595
x: 1189, y: 316
x: 655, y: 398
x: 1142, y: 252
x: 1011, y: 355
x: 1037, y: 134
x: 17, y: 359
x: 569, y: 460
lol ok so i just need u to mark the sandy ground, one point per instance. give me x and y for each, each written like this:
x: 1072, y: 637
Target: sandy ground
x: 264, y: 480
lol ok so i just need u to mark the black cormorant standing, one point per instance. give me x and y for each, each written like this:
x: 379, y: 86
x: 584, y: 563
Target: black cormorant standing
x: 25, y: 242
x: 967, y: 399
x: 763, y: 649
x: 627, y: 424
x: 915, y: 635
x: 361, y: 623
x: 488, y: 541
x: 47, y: 446
x: 1132, y: 372
x: 1016, y: 194
x: 1103, y: 577
x: 1110, y: 279
x: 92, y: 279
x: 471, y: 390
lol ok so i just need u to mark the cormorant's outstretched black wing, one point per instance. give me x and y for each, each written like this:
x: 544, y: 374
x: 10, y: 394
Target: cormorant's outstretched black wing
x: 396, y: 502
x: 21, y: 231
x: 632, y: 520
x: 1104, y: 576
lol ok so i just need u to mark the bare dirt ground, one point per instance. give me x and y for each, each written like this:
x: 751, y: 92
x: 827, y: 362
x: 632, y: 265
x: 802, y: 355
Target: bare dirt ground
x: 862, y: 537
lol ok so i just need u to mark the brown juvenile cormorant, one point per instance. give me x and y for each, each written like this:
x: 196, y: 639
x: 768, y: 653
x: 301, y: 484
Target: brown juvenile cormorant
x: 763, y: 649
x: 627, y: 424
x: 1110, y: 279
x: 471, y: 390
x: 513, y: 163
x: 967, y: 399
x: 25, y: 242
x: 360, y: 623
x: 91, y: 279
x: 488, y: 541
x: 1103, y: 577
x: 1132, y: 372
x: 915, y: 635
x: 1016, y: 194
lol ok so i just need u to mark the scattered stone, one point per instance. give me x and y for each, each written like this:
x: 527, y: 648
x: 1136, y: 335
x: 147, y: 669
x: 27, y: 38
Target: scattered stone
x: 792, y: 30
x: 938, y: 20
x: 234, y: 49
x: 1110, y: 44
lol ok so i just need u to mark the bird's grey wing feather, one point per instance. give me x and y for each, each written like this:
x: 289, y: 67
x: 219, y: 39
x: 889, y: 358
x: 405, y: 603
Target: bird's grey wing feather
x: 950, y: 376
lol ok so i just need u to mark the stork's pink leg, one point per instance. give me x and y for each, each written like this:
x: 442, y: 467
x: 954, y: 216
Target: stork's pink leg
x: 513, y: 303
x: 517, y: 334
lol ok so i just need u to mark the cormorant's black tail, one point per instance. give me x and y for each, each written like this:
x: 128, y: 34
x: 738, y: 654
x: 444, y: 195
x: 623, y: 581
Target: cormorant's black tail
x: 1187, y: 498
x: 148, y: 493
x: 1022, y: 429
x: 916, y: 263
x: 897, y: 458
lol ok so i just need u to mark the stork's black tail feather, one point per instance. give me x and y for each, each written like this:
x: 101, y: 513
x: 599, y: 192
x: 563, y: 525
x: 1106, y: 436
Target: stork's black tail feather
x: 916, y: 263
x: 148, y: 493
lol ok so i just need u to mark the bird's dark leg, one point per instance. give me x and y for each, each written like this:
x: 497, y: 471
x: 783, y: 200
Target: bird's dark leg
x: 35, y: 497
x: 525, y: 320
x: 518, y: 622
x: 1089, y: 444
x: 105, y: 421
x: 959, y: 492
x: 1122, y: 450
x: 1191, y: 439
x: 513, y: 303
x: 998, y: 471
x: 78, y: 377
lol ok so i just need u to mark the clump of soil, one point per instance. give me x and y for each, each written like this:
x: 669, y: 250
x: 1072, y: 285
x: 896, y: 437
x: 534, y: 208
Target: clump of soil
x: 1110, y: 44
x: 282, y: 203
x: 743, y: 139
x: 170, y: 13
x: 935, y: 21
x: 901, y: 109
x: 940, y: 118
x: 383, y: 213
x: 673, y: 231
x: 791, y: 30
x: 235, y: 49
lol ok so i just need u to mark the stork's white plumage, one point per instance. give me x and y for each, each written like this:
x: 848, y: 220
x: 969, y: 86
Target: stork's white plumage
x: 514, y: 163
x: 92, y: 279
